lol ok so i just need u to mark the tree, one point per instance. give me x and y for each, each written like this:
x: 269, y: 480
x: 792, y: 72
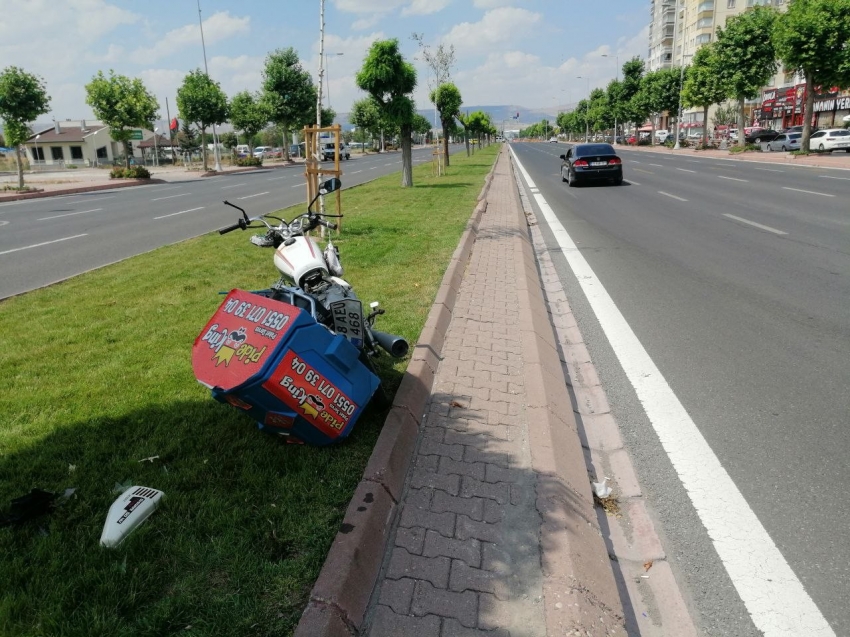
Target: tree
x: 812, y: 37
x: 703, y: 85
x: 629, y: 109
x: 747, y: 58
x: 447, y: 99
x: 366, y: 117
x: 229, y: 140
x: 22, y: 99
x: 187, y: 138
x: 659, y: 92
x: 421, y: 125
x: 248, y: 114
x: 288, y: 92
x: 122, y: 104
x: 202, y: 102
x: 390, y: 80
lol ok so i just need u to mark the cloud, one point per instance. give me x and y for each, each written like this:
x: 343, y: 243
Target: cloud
x: 219, y: 26
x: 369, y: 6
x: 498, y: 27
x: 492, y: 4
x: 425, y: 7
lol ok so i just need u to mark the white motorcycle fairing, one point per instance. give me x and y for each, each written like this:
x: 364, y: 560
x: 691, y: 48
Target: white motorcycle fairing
x: 299, y: 259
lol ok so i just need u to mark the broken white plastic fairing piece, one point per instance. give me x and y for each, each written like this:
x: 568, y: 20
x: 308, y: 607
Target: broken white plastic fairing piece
x: 127, y: 512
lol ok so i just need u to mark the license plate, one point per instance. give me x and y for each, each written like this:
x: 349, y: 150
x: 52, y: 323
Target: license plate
x: 599, y: 163
x: 348, y: 320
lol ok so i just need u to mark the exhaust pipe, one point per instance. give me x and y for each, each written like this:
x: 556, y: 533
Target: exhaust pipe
x: 396, y: 346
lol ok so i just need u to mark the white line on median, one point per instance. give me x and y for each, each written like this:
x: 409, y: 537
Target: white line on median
x: 69, y: 214
x: 234, y: 185
x: 732, y: 178
x: 174, y: 214
x: 774, y: 597
x: 685, y: 170
x: 667, y: 194
x: 810, y: 192
x: 753, y: 223
x: 171, y: 197
x: 38, y: 245
x: 259, y: 194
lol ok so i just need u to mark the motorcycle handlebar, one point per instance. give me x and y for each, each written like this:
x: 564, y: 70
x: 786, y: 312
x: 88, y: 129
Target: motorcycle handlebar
x: 327, y: 224
x: 235, y: 226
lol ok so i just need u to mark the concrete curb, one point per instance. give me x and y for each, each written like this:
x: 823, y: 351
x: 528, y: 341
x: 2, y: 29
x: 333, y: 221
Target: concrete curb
x: 579, y: 588
x: 129, y: 183
x: 340, y: 597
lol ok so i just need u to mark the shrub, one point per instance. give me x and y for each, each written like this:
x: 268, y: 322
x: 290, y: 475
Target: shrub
x: 249, y: 161
x: 133, y: 172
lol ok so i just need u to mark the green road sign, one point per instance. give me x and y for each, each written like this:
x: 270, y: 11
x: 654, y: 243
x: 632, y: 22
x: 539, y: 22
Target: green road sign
x: 136, y: 134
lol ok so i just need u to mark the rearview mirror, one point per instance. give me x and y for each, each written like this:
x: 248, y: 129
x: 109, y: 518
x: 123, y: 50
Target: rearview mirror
x: 330, y: 185
x: 562, y: 156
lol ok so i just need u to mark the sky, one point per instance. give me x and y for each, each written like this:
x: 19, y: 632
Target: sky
x: 526, y: 53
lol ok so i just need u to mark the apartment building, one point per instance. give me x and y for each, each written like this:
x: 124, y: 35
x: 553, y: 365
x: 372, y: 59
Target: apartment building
x: 673, y: 40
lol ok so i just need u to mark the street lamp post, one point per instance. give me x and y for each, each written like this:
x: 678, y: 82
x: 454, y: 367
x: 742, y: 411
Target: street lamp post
x: 155, y: 148
x: 586, y: 110
x: 217, y: 167
x: 684, y: 14
x: 617, y: 56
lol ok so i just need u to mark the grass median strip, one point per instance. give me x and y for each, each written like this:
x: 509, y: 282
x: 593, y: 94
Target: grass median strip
x: 97, y: 377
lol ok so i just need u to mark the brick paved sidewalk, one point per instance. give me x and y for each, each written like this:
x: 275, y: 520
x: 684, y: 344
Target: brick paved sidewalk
x: 466, y: 556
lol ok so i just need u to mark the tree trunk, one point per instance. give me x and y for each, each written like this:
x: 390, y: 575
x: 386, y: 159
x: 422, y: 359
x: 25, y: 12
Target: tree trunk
x: 741, y: 123
x: 652, y: 139
x: 807, y: 114
x: 406, y: 156
x: 204, y: 146
x: 466, y: 140
x: 285, y: 128
x: 20, y: 166
x: 445, y: 123
x: 126, y: 154
x: 705, y: 126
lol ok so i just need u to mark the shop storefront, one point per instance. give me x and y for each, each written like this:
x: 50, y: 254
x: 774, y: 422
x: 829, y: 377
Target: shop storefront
x: 831, y: 107
x: 781, y: 108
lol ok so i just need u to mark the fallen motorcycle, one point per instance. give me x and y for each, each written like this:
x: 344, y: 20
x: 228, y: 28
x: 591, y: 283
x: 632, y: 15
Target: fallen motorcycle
x: 297, y: 356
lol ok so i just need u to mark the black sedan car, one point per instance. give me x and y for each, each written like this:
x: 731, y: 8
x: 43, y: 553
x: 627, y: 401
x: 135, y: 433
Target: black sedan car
x: 591, y: 162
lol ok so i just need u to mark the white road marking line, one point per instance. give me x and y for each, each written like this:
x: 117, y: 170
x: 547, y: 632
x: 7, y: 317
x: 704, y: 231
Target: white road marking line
x: 633, y: 183
x: 234, y: 185
x: 171, y: 196
x: 732, y: 178
x: 774, y: 597
x: 753, y: 223
x: 173, y: 214
x: 70, y: 214
x: 648, y: 172
x: 389, y: 164
x: 296, y: 186
x: 355, y: 172
x: 373, y: 168
x: 685, y: 170
x: 659, y: 165
x: 159, y: 188
x: 38, y: 245
x: 810, y: 192
x: 830, y: 177
x: 276, y: 178
x: 770, y: 170
x: 259, y: 194
x: 4, y: 222
x: 667, y: 194
x: 695, y: 161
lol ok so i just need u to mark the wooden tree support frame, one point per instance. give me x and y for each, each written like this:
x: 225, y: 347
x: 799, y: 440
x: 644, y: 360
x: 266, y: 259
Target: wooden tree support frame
x: 314, y: 170
x: 439, y: 161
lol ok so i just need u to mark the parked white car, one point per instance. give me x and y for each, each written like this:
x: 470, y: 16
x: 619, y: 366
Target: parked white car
x: 785, y: 142
x: 830, y: 139
x: 662, y: 135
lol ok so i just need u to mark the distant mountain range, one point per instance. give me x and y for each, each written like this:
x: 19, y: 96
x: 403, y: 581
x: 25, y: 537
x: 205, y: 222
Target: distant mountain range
x: 503, y: 114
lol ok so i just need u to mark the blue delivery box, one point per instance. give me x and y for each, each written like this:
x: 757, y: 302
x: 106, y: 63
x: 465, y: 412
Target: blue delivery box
x: 292, y: 375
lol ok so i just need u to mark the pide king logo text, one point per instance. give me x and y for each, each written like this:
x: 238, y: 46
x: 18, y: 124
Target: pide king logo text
x: 229, y: 344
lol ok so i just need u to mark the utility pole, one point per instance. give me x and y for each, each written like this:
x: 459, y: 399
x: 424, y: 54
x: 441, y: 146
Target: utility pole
x: 677, y: 145
x: 217, y: 167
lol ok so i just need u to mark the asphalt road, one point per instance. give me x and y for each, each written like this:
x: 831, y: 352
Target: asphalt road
x: 43, y: 241
x: 735, y: 278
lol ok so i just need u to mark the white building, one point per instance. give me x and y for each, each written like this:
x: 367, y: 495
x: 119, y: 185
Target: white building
x: 80, y: 143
